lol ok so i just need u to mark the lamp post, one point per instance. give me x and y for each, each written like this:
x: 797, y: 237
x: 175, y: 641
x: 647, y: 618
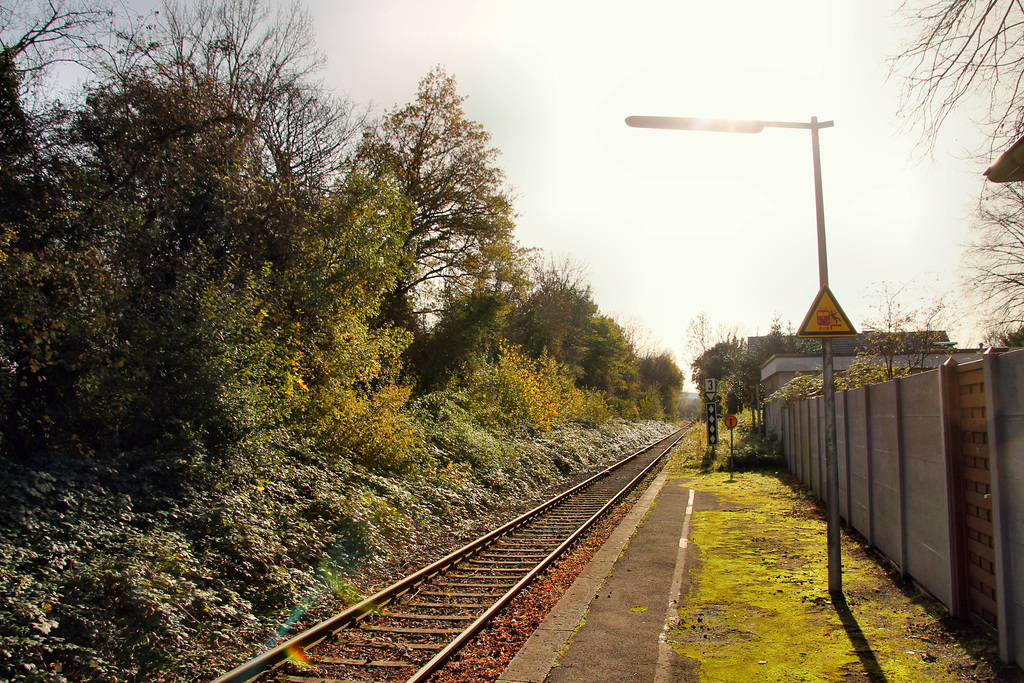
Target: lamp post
x: 835, y: 571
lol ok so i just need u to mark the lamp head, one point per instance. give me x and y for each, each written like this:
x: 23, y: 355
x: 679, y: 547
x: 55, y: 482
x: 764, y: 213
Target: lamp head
x: 688, y: 123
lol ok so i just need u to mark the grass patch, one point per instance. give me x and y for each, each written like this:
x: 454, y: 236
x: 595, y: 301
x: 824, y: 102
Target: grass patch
x: 759, y: 608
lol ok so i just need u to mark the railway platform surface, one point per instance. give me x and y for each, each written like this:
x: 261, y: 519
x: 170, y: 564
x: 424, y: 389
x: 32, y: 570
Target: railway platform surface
x: 612, y: 623
x: 621, y: 599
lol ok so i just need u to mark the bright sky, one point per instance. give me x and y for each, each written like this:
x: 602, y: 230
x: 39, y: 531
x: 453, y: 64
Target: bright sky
x: 674, y: 223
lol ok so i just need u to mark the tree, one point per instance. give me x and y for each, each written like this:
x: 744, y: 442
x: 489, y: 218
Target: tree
x: 555, y: 317
x: 967, y: 55
x: 182, y: 228
x: 468, y: 329
x: 36, y: 36
x: 607, y: 361
x: 702, y: 334
x: 737, y: 364
x: 717, y: 362
x: 995, y: 256
x: 659, y: 373
x: 263, y: 67
x: 1009, y: 336
x: 902, y: 329
x: 462, y: 224
x: 638, y: 335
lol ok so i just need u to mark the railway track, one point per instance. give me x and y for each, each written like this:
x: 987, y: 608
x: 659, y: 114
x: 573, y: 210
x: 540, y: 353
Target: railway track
x: 409, y: 630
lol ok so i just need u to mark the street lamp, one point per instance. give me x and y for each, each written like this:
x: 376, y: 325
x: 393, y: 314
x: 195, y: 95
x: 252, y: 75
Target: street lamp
x: 835, y: 571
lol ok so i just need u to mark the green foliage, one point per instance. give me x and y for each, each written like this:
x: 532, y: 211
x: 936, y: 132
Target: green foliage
x: 469, y: 328
x: 716, y: 362
x: 558, y: 317
x: 207, y: 419
x: 1012, y: 337
x: 751, y: 450
x: 521, y: 393
x: 659, y: 373
x: 461, y: 227
x: 649, y: 406
x: 799, y: 388
x: 862, y: 371
x: 865, y: 370
x: 757, y: 452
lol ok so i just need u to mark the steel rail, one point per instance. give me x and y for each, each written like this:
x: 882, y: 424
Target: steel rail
x: 442, y: 657
x: 274, y: 657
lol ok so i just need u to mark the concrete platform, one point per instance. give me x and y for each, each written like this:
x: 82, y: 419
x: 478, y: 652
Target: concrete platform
x: 611, y: 624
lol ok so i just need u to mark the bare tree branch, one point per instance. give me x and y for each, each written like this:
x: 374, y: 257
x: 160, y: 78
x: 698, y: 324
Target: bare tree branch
x: 968, y: 56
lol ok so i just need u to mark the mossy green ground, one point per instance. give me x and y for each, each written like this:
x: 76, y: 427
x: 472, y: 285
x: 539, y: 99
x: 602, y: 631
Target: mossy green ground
x: 758, y: 607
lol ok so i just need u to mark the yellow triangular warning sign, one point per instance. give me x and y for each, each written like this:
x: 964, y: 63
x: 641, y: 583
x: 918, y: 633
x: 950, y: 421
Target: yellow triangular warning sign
x: 826, y: 318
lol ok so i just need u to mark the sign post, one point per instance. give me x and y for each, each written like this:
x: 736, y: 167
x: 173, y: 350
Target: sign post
x: 826, y: 320
x: 730, y: 423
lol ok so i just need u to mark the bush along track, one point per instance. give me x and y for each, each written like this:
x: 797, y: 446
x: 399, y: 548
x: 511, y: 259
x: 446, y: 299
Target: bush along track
x: 101, y: 587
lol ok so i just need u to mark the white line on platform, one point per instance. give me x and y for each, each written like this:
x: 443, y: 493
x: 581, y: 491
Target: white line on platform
x: 663, y: 673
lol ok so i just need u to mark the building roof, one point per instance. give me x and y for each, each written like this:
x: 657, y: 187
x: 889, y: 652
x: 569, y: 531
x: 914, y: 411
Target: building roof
x: 851, y: 346
x: 863, y: 342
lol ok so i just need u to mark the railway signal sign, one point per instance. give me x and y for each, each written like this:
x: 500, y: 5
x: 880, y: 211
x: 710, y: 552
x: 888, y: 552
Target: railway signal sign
x: 826, y: 318
x: 712, y: 418
x: 710, y: 388
x: 730, y: 421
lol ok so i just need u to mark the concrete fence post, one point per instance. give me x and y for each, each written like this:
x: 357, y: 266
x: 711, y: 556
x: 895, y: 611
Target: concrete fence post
x: 845, y: 421
x: 950, y: 414
x: 900, y: 473
x: 1004, y: 596
x: 869, y: 457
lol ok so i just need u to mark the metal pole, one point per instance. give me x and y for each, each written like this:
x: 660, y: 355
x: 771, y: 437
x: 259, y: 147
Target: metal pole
x: 730, y: 453
x: 835, y: 567
x: 834, y: 539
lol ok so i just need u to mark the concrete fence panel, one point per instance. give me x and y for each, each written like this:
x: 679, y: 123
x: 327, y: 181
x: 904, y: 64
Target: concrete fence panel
x: 805, y: 439
x: 926, y: 513
x: 812, y: 444
x: 843, y: 456
x: 885, y: 489
x: 860, y: 470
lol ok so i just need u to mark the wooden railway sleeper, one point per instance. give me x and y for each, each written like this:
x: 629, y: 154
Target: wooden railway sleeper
x: 429, y: 617
x: 483, y: 571
x: 454, y: 594
x: 413, y: 631
x: 448, y: 605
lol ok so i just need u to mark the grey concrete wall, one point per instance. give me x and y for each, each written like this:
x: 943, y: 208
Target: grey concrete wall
x: 775, y: 418
x: 860, y: 463
x: 814, y: 451
x: 894, y: 485
x: 885, y: 491
x: 925, y: 504
x: 844, y: 493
